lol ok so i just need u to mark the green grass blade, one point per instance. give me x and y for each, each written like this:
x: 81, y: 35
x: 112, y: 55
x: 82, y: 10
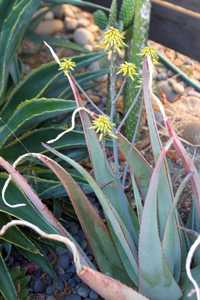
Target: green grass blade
x: 43, y: 78
x: 165, y: 191
x: 121, y: 237
x: 11, y: 34
x: 112, y: 187
x: 31, y: 142
x: 138, y: 165
x: 32, y: 112
x: 78, y: 3
x: 7, y: 287
x: 155, y: 277
x: 16, y: 237
x: 96, y: 231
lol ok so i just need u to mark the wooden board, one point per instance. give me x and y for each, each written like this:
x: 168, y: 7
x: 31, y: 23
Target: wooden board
x: 193, y: 5
x: 175, y: 24
x: 176, y: 27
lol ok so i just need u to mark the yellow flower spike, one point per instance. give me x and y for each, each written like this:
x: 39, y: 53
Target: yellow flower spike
x: 113, y: 40
x: 103, y: 126
x: 128, y: 69
x: 152, y: 53
x: 67, y: 65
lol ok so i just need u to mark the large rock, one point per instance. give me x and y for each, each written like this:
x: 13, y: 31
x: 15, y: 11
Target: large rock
x: 176, y: 86
x: 71, y: 23
x: 49, y: 27
x: 66, y: 10
x: 82, y: 36
x: 185, y: 118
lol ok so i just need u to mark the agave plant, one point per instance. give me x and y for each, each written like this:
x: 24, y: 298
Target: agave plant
x: 31, y: 109
x: 141, y: 242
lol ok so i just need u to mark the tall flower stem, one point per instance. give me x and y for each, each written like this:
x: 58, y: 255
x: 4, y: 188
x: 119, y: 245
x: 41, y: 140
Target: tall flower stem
x: 112, y: 90
x: 112, y: 87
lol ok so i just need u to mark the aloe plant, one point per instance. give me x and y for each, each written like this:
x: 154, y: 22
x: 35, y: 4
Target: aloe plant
x: 143, y: 247
x: 33, y: 109
x: 139, y: 242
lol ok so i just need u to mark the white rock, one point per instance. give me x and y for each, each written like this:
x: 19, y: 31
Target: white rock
x: 64, y: 10
x: 68, y: 10
x: 49, y: 27
x: 82, y: 22
x: 49, y: 15
x: 89, y: 47
x: 177, y: 87
x: 86, y: 14
x: 70, y: 23
x: 93, y: 28
x: 82, y: 36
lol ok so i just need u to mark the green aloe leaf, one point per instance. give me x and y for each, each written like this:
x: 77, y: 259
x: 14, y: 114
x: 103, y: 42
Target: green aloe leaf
x: 32, y: 112
x: 112, y: 187
x: 165, y: 192
x: 36, y: 212
x: 11, y: 34
x: 155, y: 276
x: 187, y: 286
x: 7, y: 288
x: 119, y: 232
x: 16, y: 236
x: 55, y: 41
x: 61, y: 89
x: 5, y: 6
x: 138, y: 165
x: 94, y: 227
x: 43, y: 78
x: 79, y: 3
x: 31, y: 142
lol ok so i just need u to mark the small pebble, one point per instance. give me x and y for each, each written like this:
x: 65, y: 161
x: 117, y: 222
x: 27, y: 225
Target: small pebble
x: 82, y: 36
x: 89, y: 47
x: 70, y: 23
x: 49, y: 290
x: 161, y: 76
x: 64, y: 261
x: 177, y: 87
x: 49, y: 27
x: 49, y: 15
x: 65, y: 10
x: 72, y: 297
x: 38, y: 286
x: 166, y: 88
x: 82, y: 22
x: 93, y: 28
x: 59, y: 270
x: 50, y: 298
x: 59, y: 285
x: 83, y: 291
x: 72, y: 283
x: 93, y: 295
